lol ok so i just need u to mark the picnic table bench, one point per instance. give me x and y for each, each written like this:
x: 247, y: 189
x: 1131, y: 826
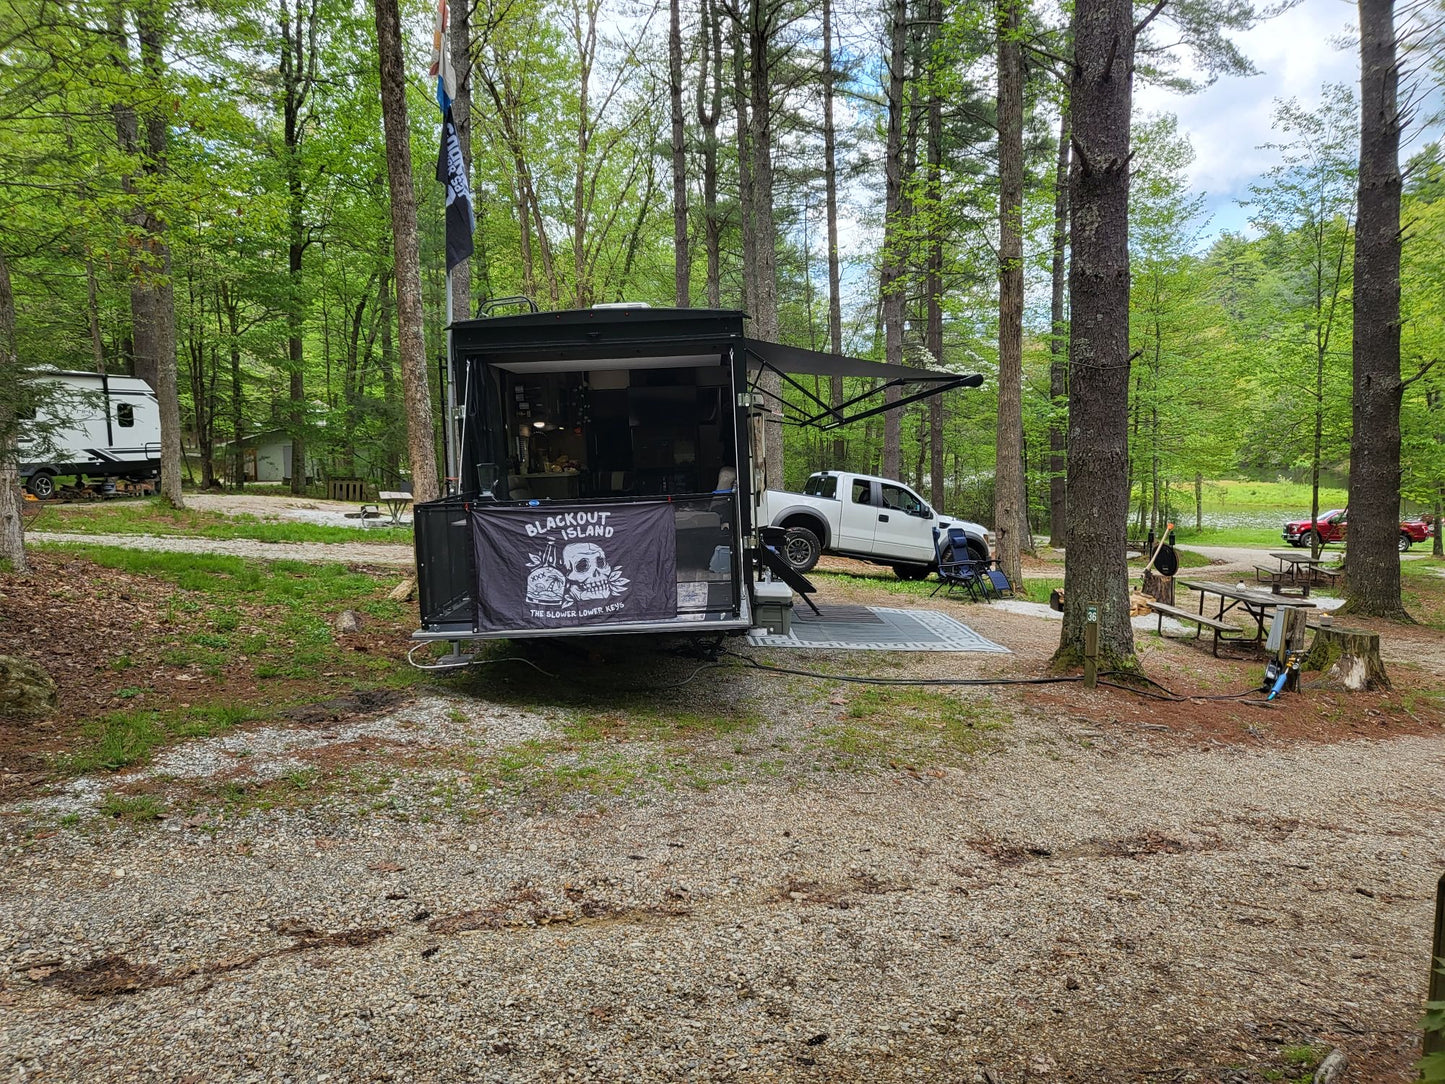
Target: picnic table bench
x: 1254, y: 603
x: 1164, y: 610
x: 1279, y: 579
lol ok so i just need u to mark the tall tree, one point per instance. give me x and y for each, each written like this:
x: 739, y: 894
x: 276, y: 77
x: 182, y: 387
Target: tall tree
x: 763, y: 18
x: 158, y: 311
x: 415, y: 393
x: 1100, y: 97
x: 682, y: 265
x: 934, y: 242
x: 1373, y: 583
x: 298, y: 70
x: 1010, y: 520
x: 1059, y: 337
x: 830, y: 211
x: 12, y: 530
x: 1305, y: 205
x: 892, y: 279
x: 709, y: 111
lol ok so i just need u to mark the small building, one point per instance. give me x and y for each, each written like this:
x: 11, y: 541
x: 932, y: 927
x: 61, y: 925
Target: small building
x: 267, y: 457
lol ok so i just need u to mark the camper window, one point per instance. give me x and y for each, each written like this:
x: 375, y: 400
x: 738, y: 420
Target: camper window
x: 124, y: 415
x: 612, y: 432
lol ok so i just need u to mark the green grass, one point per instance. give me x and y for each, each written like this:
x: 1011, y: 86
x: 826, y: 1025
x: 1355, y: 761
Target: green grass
x: 135, y: 808
x: 916, y: 726
x: 288, y: 607
x: 153, y: 516
x: 120, y: 739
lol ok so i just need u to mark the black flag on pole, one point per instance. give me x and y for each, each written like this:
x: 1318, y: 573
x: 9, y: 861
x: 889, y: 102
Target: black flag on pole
x: 452, y: 175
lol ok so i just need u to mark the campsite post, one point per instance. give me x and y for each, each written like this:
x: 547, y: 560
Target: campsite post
x: 1091, y: 645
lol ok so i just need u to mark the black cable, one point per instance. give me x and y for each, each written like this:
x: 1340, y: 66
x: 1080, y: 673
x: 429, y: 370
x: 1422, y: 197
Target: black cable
x: 862, y: 680
x: 1170, y: 694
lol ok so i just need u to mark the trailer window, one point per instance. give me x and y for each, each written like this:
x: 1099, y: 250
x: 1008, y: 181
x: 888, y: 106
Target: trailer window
x: 822, y: 485
x: 124, y: 415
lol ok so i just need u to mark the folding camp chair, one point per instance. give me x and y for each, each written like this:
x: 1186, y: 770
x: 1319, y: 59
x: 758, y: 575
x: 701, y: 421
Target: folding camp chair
x: 998, y: 582
x: 954, y: 571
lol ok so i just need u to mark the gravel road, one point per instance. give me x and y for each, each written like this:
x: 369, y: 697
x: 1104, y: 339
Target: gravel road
x: 1079, y: 902
x: 344, y: 552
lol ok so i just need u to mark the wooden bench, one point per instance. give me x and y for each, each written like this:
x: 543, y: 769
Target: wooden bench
x: 1163, y: 610
x: 1327, y: 576
x: 1279, y: 580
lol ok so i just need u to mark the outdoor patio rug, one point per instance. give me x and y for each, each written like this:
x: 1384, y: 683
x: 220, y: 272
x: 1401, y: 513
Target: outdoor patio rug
x: 876, y: 628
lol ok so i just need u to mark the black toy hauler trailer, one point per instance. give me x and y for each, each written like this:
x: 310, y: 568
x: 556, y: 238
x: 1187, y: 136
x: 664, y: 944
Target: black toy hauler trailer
x: 607, y: 461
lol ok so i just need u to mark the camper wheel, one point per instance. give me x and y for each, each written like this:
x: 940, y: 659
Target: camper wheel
x: 41, y: 484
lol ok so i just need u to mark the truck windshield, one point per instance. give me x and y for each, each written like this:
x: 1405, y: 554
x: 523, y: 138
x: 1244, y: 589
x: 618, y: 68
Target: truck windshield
x: 822, y: 485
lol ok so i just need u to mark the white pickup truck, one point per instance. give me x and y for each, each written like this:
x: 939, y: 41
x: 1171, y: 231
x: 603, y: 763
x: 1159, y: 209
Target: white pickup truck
x: 868, y: 518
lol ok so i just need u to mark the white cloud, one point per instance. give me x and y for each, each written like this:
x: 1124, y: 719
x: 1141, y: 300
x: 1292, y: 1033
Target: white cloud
x: 1296, y: 53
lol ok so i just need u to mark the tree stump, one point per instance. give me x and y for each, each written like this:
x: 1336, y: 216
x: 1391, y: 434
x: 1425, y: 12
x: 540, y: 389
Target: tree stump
x: 1351, y: 656
x: 1159, y: 588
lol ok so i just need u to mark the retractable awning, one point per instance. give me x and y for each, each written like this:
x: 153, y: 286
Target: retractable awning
x: 792, y: 361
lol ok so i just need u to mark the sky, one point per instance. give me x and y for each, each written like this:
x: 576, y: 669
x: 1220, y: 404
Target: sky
x: 1228, y: 122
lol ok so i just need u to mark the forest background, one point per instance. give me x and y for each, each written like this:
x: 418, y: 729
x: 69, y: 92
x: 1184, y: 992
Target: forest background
x: 840, y: 173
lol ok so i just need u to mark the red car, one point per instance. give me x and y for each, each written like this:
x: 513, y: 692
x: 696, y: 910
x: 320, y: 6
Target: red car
x: 1331, y: 528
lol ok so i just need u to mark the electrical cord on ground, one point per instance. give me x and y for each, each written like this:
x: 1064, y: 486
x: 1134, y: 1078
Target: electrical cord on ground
x: 461, y: 662
x: 859, y: 679
x: 1170, y: 696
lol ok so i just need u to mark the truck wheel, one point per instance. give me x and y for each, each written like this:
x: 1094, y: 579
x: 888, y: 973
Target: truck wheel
x: 911, y: 572
x: 41, y: 484
x: 1405, y: 541
x: 801, y: 549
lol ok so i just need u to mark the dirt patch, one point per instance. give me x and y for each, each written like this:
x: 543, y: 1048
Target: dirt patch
x: 839, y: 894
x: 113, y: 975
x: 364, y: 702
x: 588, y: 913
x: 1142, y: 845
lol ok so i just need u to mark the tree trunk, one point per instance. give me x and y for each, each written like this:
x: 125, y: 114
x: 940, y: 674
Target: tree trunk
x: 709, y: 109
x: 1373, y: 585
x: 830, y: 198
x: 682, y: 265
x: 1008, y: 484
x: 151, y: 33
x: 233, y: 327
x: 742, y: 129
x: 92, y: 311
x: 12, y: 528
x: 415, y: 393
x: 1059, y: 340
x: 891, y: 286
x: 761, y: 22
x: 1098, y: 456
x: 933, y: 277
x: 297, y: 70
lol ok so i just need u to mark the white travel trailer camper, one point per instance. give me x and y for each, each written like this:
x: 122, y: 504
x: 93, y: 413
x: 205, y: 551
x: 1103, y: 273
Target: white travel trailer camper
x: 92, y: 426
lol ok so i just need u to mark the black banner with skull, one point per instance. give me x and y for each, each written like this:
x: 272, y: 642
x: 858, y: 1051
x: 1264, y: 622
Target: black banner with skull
x: 564, y: 565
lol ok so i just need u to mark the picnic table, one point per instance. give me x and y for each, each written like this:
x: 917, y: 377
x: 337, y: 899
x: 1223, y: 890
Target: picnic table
x: 1302, y: 568
x: 1256, y: 604
x: 396, y: 502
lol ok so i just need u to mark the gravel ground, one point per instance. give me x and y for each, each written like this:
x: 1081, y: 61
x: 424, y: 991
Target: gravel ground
x: 1074, y: 901
x: 345, y: 552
